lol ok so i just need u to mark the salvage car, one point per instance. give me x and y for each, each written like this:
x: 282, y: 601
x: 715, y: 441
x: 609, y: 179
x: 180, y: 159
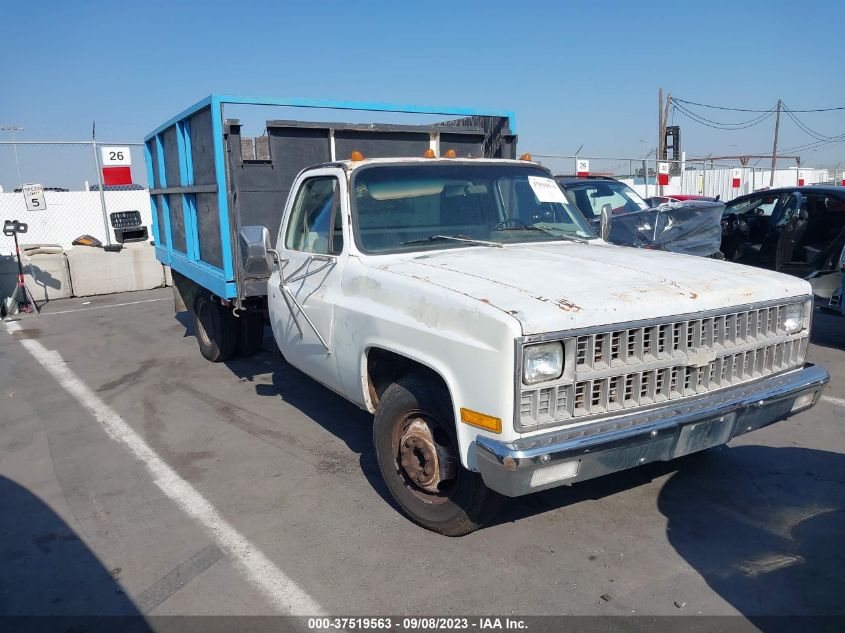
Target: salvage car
x: 796, y: 230
x: 590, y: 194
x: 501, y: 345
x: 686, y: 227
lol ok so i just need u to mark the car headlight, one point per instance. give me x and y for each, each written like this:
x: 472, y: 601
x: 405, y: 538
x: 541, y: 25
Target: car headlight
x: 793, y: 318
x: 540, y: 362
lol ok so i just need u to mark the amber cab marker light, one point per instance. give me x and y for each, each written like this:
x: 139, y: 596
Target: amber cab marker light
x: 429, y: 153
x: 525, y: 156
x: 356, y: 155
x: 482, y: 421
x: 450, y: 153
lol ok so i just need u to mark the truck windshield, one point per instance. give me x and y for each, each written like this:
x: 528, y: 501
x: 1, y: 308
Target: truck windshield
x: 414, y: 207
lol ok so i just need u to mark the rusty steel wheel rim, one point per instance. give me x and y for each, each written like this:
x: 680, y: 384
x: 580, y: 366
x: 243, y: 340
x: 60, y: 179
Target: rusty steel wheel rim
x: 426, y: 458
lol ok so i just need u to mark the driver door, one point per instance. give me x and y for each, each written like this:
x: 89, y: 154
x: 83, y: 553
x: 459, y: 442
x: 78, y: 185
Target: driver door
x: 304, y: 286
x: 791, y: 228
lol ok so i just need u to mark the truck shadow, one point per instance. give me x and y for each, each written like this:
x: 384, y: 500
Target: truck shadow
x: 828, y: 330
x: 47, y: 571
x: 341, y: 418
x: 762, y: 525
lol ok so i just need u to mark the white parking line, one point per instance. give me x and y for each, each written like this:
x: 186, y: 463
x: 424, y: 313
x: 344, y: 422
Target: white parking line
x: 837, y: 401
x: 113, y: 305
x: 277, y: 586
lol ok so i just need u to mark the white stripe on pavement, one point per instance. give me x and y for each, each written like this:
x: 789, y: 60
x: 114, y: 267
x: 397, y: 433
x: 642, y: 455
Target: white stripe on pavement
x: 112, y: 305
x: 279, y: 588
x: 837, y: 401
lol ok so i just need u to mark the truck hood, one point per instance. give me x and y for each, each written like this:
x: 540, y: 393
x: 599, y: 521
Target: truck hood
x: 556, y: 286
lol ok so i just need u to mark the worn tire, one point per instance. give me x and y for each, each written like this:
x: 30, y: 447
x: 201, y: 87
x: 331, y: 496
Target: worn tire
x: 467, y: 504
x: 251, y: 332
x: 215, y: 329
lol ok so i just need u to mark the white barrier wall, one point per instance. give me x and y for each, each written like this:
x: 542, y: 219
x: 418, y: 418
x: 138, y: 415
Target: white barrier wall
x: 69, y: 215
x: 718, y: 182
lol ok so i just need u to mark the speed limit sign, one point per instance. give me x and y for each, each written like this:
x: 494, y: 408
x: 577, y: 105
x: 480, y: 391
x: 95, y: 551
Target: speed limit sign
x: 34, y: 196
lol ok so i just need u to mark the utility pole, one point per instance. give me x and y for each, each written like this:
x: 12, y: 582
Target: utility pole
x: 660, y: 139
x: 775, y: 146
x: 662, y: 122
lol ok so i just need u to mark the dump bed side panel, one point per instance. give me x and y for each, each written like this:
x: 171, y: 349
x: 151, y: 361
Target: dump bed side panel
x: 187, y: 180
x: 207, y: 180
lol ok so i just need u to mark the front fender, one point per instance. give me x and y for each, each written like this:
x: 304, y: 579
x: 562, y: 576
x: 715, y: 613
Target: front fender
x: 468, y: 343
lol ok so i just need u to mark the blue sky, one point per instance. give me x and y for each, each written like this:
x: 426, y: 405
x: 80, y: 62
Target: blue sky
x: 583, y: 73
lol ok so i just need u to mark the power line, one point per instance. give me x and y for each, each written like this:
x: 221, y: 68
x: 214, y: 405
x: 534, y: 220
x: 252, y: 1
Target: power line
x: 817, y: 135
x: 739, y: 124
x: 815, y: 145
x: 715, y: 107
x: 819, y: 139
x: 722, y: 125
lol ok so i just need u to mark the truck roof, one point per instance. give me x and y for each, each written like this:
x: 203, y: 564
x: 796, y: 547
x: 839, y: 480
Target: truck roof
x: 351, y: 165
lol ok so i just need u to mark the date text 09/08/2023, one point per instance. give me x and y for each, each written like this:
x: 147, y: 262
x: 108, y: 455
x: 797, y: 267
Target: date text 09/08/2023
x: 422, y: 623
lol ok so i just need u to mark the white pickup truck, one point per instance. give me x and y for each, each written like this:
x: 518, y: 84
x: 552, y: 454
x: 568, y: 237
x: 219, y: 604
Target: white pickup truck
x: 503, y: 347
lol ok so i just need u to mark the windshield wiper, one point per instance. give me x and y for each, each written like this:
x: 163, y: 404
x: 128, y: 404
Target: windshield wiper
x: 545, y: 230
x: 452, y: 238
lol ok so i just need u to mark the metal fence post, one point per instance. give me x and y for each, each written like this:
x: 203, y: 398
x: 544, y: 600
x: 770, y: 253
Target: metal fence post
x: 645, y: 177
x: 102, y: 193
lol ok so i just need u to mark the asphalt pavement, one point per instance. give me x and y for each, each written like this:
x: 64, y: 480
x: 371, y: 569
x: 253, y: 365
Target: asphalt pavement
x: 138, y: 478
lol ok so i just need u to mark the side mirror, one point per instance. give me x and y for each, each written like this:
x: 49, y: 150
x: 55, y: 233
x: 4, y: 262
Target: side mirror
x: 257, y: 255
x: 606, y: 221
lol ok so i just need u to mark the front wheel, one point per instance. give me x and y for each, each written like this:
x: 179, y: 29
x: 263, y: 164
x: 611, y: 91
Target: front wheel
x: 417, y: 452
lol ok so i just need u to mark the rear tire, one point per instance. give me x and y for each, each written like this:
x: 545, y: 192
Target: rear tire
x: 412, y: 409
x: 215, y: 329
x: 251, y: 334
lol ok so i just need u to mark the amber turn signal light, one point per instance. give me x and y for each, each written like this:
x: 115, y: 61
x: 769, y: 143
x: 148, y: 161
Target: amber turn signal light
x: 525, y: 156
x: 429, y: 153
x: 481, y: 420
x: 450, y: 153
x: 356, y: 155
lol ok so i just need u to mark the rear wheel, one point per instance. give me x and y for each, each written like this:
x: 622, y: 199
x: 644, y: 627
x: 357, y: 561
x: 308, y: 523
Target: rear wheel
x: 215, y: 329
x: 417, y: 452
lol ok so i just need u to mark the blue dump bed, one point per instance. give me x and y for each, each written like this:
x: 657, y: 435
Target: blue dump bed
x: 207, y: 180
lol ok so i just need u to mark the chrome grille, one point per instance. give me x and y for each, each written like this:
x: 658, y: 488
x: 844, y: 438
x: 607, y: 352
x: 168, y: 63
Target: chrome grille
x: 625, y: 368
x: 654, y: 342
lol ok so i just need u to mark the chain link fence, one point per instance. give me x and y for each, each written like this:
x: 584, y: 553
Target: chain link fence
x: 70, y: 173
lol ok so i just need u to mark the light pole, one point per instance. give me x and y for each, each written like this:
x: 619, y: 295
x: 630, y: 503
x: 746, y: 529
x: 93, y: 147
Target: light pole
x: 13, y: 129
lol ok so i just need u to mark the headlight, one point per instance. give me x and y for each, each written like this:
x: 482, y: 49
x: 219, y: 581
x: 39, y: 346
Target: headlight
x: 540, y: 362
x: 793, y: 318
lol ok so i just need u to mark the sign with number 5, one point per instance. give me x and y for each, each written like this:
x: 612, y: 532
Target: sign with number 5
x: 34, y: 196
x: 116, y: 156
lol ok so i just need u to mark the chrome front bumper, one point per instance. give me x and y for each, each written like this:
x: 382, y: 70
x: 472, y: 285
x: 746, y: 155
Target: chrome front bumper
x: 658, y: 434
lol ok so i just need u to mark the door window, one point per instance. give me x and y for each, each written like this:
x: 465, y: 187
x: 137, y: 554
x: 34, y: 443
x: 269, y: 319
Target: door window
x: 760, y: 205
x: 315, y: 224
